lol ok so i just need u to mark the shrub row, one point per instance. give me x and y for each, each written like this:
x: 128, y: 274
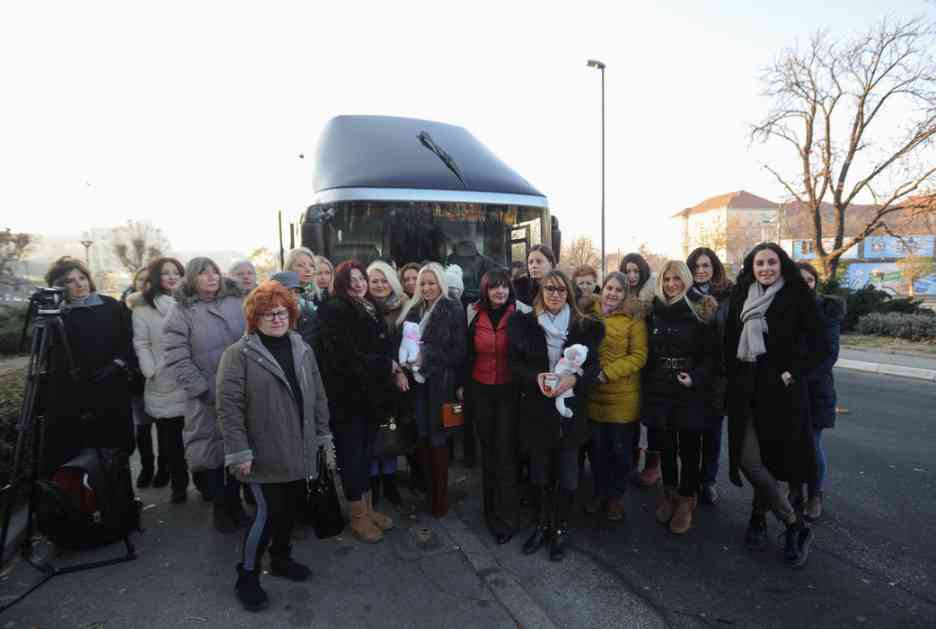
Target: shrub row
x: 869, y: 299
x: 12, y: 317
x: 913, y: 327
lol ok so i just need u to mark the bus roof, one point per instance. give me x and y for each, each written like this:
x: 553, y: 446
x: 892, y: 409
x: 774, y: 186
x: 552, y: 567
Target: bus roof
x: 410, y: 157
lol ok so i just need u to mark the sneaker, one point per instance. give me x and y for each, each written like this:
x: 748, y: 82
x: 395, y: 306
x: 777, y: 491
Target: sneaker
x: 814, y: 508
x: 798, y: 538
x: 756, y: 535
x: 708, y: 494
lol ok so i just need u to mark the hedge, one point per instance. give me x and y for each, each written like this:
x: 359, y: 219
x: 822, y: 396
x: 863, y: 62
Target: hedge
x: 12, y: 317
x: 913, y: 327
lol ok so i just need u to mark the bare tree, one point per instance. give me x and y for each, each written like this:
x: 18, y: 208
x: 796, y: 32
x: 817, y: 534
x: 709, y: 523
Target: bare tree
x: 654, y: 260
x: 14, y: 248
x: 579, y: 252
x: 136, y: 243
x: 264, y: 261
x: 831, y: 101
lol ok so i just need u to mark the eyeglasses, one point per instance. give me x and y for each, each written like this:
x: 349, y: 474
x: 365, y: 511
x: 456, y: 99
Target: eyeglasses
x: 560, y: 290
x: 275, y: 314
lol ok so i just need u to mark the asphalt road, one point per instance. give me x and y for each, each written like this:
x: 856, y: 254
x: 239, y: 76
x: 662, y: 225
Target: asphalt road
x: 873, y: 563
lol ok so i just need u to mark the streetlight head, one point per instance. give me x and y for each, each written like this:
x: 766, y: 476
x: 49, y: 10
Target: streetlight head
x: 594, y: 63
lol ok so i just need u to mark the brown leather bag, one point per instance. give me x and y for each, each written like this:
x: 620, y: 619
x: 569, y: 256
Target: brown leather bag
x: 453, y: 415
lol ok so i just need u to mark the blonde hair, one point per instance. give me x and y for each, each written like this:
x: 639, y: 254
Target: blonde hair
x: 323, y: 260
x: 294, y: 254
x: 416, y: 300
x: 390, y: 274
x: 679, y: 267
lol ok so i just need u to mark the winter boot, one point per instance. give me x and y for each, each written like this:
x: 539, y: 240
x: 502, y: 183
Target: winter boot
x: 282, y: 565
x: 756, y: 535
x: 248, y: 589
x: 381, y: 521
x: 666, y: 503
x: 814, y: 507
x: 541, y: 531
x: 439, y: 462
x: 682, y: 516
x: 560, y: 533
x: 390, y: 489
x: 144, y: 441
x: 651, y: 472
x: 361, y: 525
x: 797, y: 539
x: 162, y: 463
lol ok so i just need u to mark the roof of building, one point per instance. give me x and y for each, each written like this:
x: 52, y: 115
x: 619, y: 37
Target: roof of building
x: 740, y: 200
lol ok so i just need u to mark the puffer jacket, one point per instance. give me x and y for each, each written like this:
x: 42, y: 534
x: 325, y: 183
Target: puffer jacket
x: 259, y: 416
x: 622, y: 355
x: 162, y: 397
x: 197, y: 333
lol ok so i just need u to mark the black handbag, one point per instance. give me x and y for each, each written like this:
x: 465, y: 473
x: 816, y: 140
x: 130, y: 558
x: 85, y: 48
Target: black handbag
x: 324, y: 507
x: 394, y: 438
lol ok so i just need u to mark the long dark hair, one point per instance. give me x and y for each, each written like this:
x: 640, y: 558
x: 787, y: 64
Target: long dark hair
x: 343, y: 279
x: 539, y: 303
x: 154, y: 285
x: 642, y: 267
x: 806, y: 266
x: 492, y: 279
x: 546, y: 251
x: 789, y: 272
x: 720, y: 279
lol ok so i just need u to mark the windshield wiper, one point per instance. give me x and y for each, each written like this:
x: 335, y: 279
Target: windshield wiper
x: 430, y: 144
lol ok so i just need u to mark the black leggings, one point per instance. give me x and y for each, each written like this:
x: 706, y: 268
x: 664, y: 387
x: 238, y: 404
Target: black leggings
x: 493, y: 410
x: 686, y: 445
x: 555, y: 466
x: 277, y: 506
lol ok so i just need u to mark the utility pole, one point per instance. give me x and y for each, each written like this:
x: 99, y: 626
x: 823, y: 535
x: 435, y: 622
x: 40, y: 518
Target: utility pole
x: 594, y: 63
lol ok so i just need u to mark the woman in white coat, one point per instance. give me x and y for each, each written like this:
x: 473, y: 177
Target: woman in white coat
x: 162, y: 397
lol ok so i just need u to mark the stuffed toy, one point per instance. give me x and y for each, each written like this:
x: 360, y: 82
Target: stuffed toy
x: 409, y: 348
x: 570, y: 364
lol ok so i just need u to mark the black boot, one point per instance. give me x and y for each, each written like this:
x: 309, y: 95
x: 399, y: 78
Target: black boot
x: 798, y: 538
x: 390, y: 489
x: 248, y: 589
x: 756, y: 535
x: 144, y: 442
x: 282, y: 565
x: 560, y: 533
x: 499, y: 528
x: 162, y: 462
x: 540, y: 535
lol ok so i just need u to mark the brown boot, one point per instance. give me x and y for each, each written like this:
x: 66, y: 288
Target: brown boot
x: 439, y: 460
x: 665, y: 503
x: 381, y: 521
x: 361, y: 525
x: 682, y: 517
x: 651, y: 472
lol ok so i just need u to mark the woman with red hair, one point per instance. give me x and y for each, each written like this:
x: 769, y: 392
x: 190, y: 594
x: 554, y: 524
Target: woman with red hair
x: 274, y: 417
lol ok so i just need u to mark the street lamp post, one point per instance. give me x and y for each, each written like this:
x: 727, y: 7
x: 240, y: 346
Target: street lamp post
x: 87, y: 251
x: 594, y: 63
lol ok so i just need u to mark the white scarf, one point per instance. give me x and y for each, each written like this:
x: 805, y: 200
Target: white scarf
x: 753, y: 317
x: 556, y: 327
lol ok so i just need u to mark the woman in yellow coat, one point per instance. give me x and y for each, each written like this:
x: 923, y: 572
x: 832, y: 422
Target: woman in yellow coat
x: 614, y: 405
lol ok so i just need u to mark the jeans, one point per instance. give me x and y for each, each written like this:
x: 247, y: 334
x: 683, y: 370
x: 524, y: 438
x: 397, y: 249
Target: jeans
x: 612, y: 457
x: 681, y: 451
x: 555, y: 466
x: 815, y: 485
x: 711, y: 447
x: 426, y: 429
x: 494, y: 412
x: 386, y: 466
x: 354, y: 445
x: 277, y: 506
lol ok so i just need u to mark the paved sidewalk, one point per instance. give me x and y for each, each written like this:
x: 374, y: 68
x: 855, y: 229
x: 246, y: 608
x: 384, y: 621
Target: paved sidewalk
x: 890, y: 363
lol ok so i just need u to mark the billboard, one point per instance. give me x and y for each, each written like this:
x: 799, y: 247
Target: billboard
x: 886, y: 276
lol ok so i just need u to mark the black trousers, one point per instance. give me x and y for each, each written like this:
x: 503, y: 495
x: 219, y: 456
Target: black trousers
x: 174, y: 450
x: 681, y: 455
x: 554, y: 466
x: 354, y: 446
x: 494, y: 411
x: 277, y: 507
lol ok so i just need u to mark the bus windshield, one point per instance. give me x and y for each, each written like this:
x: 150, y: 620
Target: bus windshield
x: 475, y: 236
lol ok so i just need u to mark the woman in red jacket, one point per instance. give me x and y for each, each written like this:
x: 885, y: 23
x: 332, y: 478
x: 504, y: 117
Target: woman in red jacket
x: 492, y: 396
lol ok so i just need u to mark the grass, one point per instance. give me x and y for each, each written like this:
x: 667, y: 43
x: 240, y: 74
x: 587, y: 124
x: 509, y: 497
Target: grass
x: 11, y: 398
x: 888, y: 344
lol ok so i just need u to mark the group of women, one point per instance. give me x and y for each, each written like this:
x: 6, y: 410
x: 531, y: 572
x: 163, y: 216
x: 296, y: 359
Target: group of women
x: 673, y: 352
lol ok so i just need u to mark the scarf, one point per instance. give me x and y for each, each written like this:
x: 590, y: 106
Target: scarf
x: 753, y: 317
x: 92, y: 300
x: 367, y: 305
x: 556, y: 327
x: 427, y: 312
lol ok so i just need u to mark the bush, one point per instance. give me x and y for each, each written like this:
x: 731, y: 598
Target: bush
x: 868, y: 300
x: 913, y: 327
x: 11, y: 327
x: 11, y: 398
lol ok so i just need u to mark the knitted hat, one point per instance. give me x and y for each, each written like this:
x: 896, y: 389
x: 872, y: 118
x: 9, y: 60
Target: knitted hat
x: 453, y: 277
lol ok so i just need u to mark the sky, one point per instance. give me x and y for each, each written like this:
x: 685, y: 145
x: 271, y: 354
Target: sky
x: 192, y: 115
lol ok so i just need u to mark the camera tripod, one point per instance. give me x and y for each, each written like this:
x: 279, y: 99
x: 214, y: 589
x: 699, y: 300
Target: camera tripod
x: 48, y: 335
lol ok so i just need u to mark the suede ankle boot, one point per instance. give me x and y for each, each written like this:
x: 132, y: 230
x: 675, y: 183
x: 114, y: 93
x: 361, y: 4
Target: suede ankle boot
x: 248, y: 589
x: 361, y: 525
x: 682, y: 515
x: 381, y: 521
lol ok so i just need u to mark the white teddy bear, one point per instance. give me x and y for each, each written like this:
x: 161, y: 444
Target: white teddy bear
x: 409, y: 348
x: 570, y: 364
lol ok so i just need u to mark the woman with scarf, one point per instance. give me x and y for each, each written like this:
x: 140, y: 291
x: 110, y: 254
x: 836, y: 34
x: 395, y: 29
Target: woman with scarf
x: 676, y: 388
x: 772, y: 344
x: 435, y: 374
x: 710, y: 279
x: 162, y: 397
x: 536, y: 342
x: 388, y: 295
x: 89, y: 408
x: 614, y: 405
x: 358, y: 370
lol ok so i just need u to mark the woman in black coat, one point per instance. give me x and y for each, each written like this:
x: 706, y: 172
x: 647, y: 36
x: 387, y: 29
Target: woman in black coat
x: 676, y: 389
x: 540, y: 261
x: 90, y: 408
x: 435, y: 375
x: 358, y: 370
x: 821, y: 387
x: 772, y: 344
x: 536, y: 342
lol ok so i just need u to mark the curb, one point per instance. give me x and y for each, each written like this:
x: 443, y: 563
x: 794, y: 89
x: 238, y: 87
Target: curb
x: 505, y: 587
x: 889, y: 370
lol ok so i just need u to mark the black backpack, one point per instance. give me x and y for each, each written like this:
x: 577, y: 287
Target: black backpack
x: 88, y: 501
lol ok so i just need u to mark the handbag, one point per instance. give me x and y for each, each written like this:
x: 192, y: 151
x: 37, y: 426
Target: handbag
x: 393, y: 439
x: 453, y: 415
x: 324, y: 507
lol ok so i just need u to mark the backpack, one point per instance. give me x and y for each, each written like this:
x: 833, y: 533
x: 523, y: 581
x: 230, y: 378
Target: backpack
x: 88, y: 502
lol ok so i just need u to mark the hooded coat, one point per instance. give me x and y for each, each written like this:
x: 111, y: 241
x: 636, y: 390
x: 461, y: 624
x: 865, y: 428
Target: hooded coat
x: 622, y: 354
x: 162, y: 397
x: 821, y: 383
x: 197, y: 333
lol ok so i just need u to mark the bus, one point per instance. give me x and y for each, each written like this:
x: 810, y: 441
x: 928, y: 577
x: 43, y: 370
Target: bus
x: 408, y: 190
